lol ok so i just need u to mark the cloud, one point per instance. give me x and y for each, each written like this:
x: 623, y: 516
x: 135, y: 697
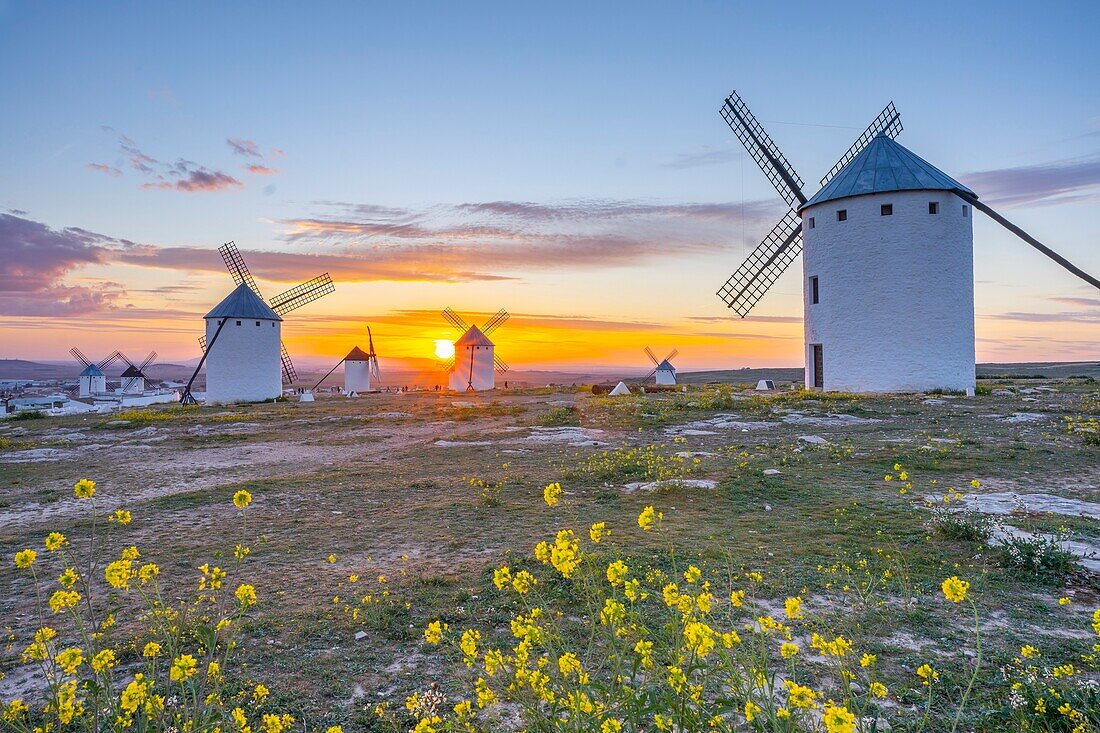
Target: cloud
x: 244, y: 147
x: 34, y: 259
x: 1062, y: 317
x: 262, y: 170
x: 198, y: 179
x: 184, y: 175
x: 749, y: 319
x: 1043, y: 184
x: 104, y: 168
x: 511, y: 236
x: 706, y: 156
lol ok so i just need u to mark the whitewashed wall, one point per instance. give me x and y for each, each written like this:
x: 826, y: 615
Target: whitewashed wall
x: 896, y: 293
x: 356, y: 376
x: 665, y: 376
x: 92, y: 385
x: 244, y: 364
x: 483, y: 368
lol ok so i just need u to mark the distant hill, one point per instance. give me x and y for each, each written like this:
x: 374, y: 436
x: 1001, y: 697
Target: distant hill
x: 22, y: 369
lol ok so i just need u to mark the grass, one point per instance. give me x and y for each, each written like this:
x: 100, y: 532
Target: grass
x: 326, y: 480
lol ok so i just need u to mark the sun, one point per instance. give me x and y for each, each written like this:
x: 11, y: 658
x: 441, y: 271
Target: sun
x: 444, y: 349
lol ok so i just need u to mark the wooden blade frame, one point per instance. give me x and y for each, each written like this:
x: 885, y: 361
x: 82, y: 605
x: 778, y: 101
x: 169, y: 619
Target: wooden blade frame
x: 763, y: 267
x: 455, y: 320
x: 300, y: 295
x: 237, y: 268
x: 763, y: 150
x: 495, y: 322
x: 79, y: 356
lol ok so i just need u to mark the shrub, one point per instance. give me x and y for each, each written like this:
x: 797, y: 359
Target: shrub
x: 562, y: 416
x: 28, y: 415
x: 1039, y: 554
x: 962, y: 525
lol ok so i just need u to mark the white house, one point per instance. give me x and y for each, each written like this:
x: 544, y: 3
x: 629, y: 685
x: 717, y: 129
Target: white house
x: 889, y: 277
x: 92, y: 381
x: 243, y: 360
x: 474, y: 367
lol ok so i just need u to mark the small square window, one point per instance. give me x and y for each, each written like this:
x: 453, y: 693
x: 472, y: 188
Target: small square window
x: 812, y: 224
x: 933, y: 207
x: 813, y: 289
x: 886, y: 210
x: 238, y: 323
x: 257, y: 323
x: 842, y: 215
x: 966, y: 210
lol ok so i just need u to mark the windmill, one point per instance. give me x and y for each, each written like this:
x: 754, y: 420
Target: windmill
x: 92, y: 379
x: 281, y: 304
x: 475, y: 365
x: 890, y: 298
x: 133, y: 379
x: 361, y: 373
x: 662, y: 368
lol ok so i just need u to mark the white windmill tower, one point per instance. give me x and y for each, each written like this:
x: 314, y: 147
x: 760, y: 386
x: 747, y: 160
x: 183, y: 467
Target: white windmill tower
x: 240, y: 374
x: 361, y: 373
x: 475, y: 364
x: 663, y: 370
x: 133, y: 379
x: 92, y: 380
x: 888, y: 274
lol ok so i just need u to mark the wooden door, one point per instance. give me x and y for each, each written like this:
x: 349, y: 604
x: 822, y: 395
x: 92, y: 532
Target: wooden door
x: 819, y: 367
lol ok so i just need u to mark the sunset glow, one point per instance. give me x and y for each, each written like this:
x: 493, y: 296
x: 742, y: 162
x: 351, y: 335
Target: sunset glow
x: 444, y: 349
x: 601, y: 227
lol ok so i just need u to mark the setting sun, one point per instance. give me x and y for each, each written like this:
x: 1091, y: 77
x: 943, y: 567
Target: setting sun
x: 444, y: 349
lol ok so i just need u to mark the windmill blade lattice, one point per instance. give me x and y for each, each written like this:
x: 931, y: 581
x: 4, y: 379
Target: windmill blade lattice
x: 237, y: 268
x: 495, y: 322
x: 455, y: 320
x: 79, y: 355
x: 288, y: 365
x: 300, y: 295
x: 148, y: 360
x: 888, y: 122
x: 651, y: 355
x: 763, y: 267
x: 763, y: 150
x: 500, y: 365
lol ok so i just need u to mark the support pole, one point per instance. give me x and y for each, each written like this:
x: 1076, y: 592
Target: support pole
x: 330, y: 371
x: 973, y: 200
x: 188, y: 398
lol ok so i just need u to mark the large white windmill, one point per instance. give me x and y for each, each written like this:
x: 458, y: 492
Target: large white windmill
x: 888, y: 286
x: 241, y: 369
x: 475, y: 364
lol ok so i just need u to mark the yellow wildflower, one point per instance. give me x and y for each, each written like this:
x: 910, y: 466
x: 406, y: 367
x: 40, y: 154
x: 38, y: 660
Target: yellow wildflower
x: 954, y: 589
x: 25, y: 558
x: 611, y: 725
x: 751, y: 710
x: 1027, y: 651
x: 867, y: 660
x: 927, y: 674
x: 617, y: 572
x: 241, y: 499
x: 183, y: 668
x: 468, y: 645
x: 68, y: 578
x: 70, y: 659
x: 63, y: 599
x: 598, y: 531
x: 648, y: 518
x: 55, y: 541
x: 838, y: 720
x: 552, y: 493
x: 103, y: 661
x: 788, y: 650
x: 121, y: 516
x: 84, y: 489
x: 246, y: 595
x: 878, y: 689
x: 434, y: 633
x: 151, y: 650
x: 737, y: 598
x: 794, y: 607
x: 502, y: 577
x: 523, y: 582
x: 692, y: 574
x: 1064, y: 601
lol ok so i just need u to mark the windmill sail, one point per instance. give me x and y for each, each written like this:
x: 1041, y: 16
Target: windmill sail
x: 771, y: 258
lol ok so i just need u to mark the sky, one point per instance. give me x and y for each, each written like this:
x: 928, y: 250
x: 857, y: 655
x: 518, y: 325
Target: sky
x: 565, y: 161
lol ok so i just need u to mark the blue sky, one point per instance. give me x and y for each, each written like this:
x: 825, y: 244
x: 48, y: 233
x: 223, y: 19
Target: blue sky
x: 422, y: 109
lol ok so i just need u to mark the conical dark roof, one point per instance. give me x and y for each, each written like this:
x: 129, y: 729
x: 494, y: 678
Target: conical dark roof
x: 884, y: 166
x: 357, y: 354
x: 473, y: 337
x: 132, y: 371
x: 243, y: 303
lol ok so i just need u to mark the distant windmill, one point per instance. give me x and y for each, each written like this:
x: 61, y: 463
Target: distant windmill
x: 133, y: 379
x: 475, y: 365
x: 888, y: 284
x: 92, y: 379
x: 281, y: 304
x: 662, y: 369
x: 361, y: 373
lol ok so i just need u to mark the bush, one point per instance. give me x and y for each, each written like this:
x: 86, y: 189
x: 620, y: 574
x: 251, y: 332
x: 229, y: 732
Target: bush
x: 962, y: 525
x: 566, y: 416
x: 1039, y: 554
x: 28, y: 415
